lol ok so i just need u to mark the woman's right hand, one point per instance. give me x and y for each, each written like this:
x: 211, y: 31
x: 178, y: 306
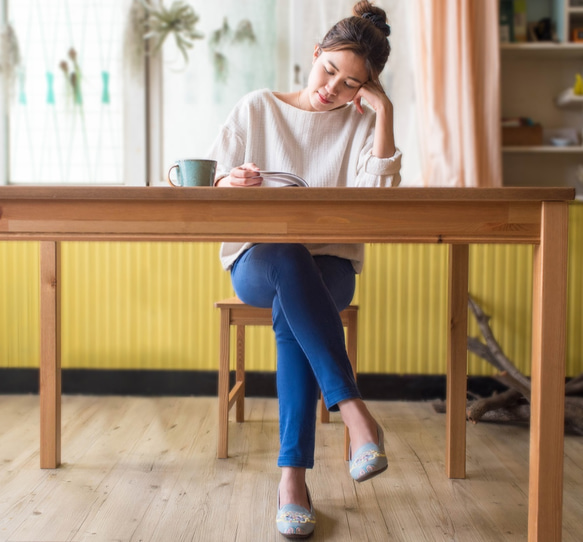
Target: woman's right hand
x: 245, y: 175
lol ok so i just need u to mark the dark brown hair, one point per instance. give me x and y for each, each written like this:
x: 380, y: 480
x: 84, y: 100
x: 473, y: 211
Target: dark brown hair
x: 365, y: 34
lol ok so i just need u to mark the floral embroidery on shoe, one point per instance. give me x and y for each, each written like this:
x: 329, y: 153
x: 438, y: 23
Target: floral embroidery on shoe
x: 367, y: 457
x: 294, y: 521
x: 369, y: 460
x: 295, y: 517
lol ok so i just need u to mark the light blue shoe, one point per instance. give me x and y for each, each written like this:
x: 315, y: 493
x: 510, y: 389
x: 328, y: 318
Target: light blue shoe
x: 294, y: 521
x: 369, y: 460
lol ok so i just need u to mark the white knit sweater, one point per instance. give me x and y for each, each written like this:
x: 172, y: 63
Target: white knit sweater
x: 331, y: 148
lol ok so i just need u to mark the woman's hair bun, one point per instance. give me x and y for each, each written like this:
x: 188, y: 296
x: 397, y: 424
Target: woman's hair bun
x: 378, y: 21
x: 374, y: 14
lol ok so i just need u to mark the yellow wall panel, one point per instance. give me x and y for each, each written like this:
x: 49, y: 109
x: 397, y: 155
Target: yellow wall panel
x: 19, y: 304
x: 141, y: 305
x: 150, y: 305
x: 501, y: 283
x: 402, y: 294
x: 575, y: 292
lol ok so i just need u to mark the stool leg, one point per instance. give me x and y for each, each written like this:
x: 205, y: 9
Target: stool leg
x: 324, y: 412
x: 224, y: 351
x: 240, y: 374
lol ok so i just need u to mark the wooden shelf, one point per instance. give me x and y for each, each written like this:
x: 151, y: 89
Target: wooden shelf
x: 537, y: 81
x: 543, y: 49
x: 571, y: 149
x: 568, y: 99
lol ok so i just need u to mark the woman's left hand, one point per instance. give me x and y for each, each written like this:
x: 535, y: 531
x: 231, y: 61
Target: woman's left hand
x: 375, y: 96
x: 384, y: 139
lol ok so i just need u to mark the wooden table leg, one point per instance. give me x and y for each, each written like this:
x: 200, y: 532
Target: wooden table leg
x: 548, y: 376
x: 457, y: 356
x: 50, y: 357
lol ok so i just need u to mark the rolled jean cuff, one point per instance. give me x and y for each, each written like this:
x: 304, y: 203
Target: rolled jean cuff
x: 295, y: 461
x: 335, y: 397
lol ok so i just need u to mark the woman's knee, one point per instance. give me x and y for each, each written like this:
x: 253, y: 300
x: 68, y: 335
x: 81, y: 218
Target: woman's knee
x: 289, y: 259
x: 289, y: 252
x: 259, y: 271
x: 339, y: 277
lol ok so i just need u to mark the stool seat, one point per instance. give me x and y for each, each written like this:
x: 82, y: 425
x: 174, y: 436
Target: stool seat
x: 233, y: 312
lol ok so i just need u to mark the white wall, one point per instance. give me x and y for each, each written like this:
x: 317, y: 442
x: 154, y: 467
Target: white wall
x: 195, y: 104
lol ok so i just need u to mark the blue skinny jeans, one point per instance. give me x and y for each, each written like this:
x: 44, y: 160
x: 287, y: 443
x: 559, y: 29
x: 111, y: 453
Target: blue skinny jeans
x: 306, y: 294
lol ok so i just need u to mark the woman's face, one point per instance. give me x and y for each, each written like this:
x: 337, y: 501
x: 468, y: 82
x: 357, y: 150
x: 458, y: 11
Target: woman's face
x: 335, y: 78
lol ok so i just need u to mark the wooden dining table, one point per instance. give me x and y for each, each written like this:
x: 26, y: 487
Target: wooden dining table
x: 456, y: 217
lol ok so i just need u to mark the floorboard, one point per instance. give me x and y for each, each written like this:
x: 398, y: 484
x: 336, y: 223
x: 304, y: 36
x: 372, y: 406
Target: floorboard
x: 145, y: 469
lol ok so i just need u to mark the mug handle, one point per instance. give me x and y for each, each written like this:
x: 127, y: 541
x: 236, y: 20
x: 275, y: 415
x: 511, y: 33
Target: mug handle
x: 168, y: 176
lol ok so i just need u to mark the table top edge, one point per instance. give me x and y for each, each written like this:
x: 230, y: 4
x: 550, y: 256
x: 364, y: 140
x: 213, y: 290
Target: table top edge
x: 40, y: 192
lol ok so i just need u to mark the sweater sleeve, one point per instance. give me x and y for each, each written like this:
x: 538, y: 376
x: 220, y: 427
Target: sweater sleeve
x: 372, y: 171
x: 228, y: 150
x: 379, y: 172
x: 229, y: 147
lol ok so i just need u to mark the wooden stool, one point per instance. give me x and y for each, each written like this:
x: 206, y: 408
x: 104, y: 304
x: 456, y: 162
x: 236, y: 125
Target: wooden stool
x: 234, y: 312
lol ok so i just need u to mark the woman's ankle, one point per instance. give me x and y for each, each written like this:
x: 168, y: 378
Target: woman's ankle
x: 292, y: 487
x: 360, y: 422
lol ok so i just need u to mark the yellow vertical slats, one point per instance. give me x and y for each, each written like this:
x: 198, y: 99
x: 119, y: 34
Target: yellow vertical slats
x: 501, y: 283
x: 19, y: 304
x: 150, y: 305
x: 402, y: 299
x: 575, y: 292
x: 141, y: 305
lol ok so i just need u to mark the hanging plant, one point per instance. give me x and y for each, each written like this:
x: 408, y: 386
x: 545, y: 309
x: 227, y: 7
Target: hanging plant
x: 224, y: 36
x: 179, y: 19
x: 244, y: 32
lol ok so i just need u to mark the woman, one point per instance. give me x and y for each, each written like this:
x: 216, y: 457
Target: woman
x: 325, y: 134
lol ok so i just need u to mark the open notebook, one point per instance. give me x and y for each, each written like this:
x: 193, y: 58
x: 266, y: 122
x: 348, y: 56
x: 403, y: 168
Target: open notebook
x: 280, y: 178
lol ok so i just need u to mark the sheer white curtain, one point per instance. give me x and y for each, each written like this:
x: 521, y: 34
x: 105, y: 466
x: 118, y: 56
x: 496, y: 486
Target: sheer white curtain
x: 457, y: 73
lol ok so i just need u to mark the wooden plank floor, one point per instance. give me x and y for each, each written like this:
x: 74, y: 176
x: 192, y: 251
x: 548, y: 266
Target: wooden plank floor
x: 144, y: 469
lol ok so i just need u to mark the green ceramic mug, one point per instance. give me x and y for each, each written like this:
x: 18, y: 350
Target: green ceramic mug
x: 193, y: 172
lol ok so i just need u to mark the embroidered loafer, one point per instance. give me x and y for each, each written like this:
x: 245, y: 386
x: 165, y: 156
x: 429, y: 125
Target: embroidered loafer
x: 294, y: 521
x: 369, y: 460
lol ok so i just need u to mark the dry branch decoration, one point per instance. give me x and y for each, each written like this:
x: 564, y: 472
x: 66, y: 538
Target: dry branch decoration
x: 9, y: 54
x: 512, y: 405
x: 72, y: 76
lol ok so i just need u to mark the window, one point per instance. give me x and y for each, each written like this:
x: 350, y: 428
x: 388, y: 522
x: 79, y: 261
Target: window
x: 68, y: 99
